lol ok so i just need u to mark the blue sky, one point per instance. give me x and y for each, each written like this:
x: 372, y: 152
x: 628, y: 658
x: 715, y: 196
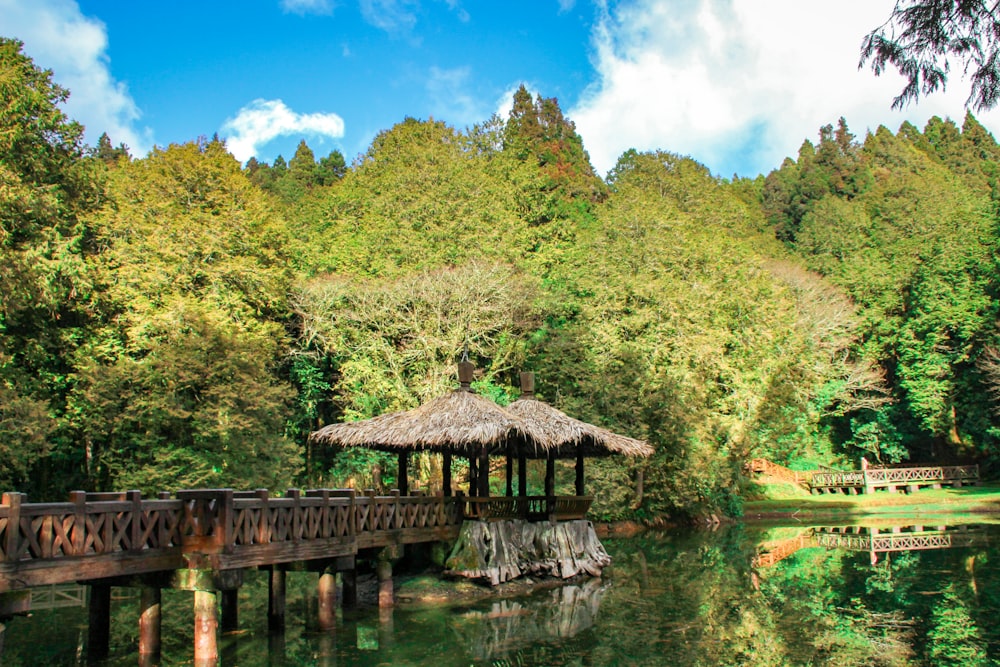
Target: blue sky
x: 736, y: 84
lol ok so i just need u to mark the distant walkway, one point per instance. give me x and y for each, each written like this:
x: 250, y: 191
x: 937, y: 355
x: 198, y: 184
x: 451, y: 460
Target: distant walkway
x: 893, y: 479
x: 869, y: 480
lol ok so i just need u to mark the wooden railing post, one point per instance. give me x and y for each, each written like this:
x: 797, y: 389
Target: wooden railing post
x: 296, y: 496
x: 263, y: 535
x: 397, y: 514
x: 222, y: 531
x: 12, y: 542
x: 79, y: 535
x: 135, y: 520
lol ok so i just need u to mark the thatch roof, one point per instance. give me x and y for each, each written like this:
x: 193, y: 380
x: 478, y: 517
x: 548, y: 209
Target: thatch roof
x: 460, y: 422
x: 566, y: 434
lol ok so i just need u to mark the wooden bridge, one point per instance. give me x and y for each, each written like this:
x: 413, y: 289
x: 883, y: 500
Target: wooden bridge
x: 203, y: 540
x: 870, y: 480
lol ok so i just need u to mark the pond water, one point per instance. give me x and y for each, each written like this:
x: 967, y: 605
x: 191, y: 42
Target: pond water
x: 743, y: 594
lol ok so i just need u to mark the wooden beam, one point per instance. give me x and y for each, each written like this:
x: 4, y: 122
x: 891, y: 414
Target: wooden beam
x: 473, y: 477
x: 99, y: 625
x: 149, y: 624
x: 327, y: 594
x: 522, y: 475
x: 403, y: 482
x: 230, y: 610
x: 550, y: 476
x: 484, y: 474
x: 206, y: 627
x: 510, y: 471
x: 446, y: 474
x: 276, y: 600
x: 579, y: 472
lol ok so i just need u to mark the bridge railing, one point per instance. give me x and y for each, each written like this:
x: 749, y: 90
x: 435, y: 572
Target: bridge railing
x: 895, y: 476
x: 922, y: 474
x: 85, y: 527
x: 530, y: 508
x: 849, y: 478
x: 204, y: 521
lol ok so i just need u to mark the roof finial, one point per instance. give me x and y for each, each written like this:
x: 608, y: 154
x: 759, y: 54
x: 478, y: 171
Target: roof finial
x: 527, y: 384
x: 465, y: 370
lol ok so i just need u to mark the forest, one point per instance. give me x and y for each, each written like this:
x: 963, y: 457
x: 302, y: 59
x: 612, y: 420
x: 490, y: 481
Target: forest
x: 182, y: 320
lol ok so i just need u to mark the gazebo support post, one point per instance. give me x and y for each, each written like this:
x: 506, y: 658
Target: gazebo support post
x: 579, y: 471
x: 484, y: 473
x: 550, y: 476
x: 510, y: 472
x: 473, y: 477
x: 403, y: 482
x: 446, y: 474
x: 522, y: 475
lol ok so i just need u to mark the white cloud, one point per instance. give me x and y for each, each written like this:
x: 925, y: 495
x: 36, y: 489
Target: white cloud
x: 303, y: 7
x: 263, y: 120
x: 449, y: 98
x: 392, y: 16
x: 738, y: 85
x: 59, y: 37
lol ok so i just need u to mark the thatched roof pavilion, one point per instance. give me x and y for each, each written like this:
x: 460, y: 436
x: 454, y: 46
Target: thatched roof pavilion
x: 459, y: 422
x: 568, y: 437
x: 465, y: 424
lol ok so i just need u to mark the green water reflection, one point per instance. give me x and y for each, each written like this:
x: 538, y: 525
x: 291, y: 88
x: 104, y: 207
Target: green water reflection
x: 742, y: 595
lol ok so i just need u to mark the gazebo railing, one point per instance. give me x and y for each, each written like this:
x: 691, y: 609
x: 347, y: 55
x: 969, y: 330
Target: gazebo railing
x: 529, y: 508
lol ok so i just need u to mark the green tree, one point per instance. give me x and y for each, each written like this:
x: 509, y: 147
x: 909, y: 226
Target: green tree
x: 183, y: 381
x: 48, y: 296
x: 331, y: 169
x: 107, y: 153
x: 920, y: 39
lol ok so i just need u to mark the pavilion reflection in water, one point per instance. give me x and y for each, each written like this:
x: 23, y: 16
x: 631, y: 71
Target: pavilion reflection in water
x: 508, y: 625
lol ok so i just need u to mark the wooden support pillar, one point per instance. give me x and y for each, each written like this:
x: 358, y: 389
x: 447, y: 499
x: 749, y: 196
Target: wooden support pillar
x: 522, y: 475
x: 473, y: 477
x: 327, y: 594
x: 446, y: 474
x: 383, y: 570
x: 403, y: 482
x: 149, y: 624
x: 579, y: 471
x: 230, y: 610
x: 276, y: 600
x: 550, y: 476
x: 99, y: 621
x: 349, y: 579
x: 206, y: 627
x: 484, y: 474
x: 510, y: 471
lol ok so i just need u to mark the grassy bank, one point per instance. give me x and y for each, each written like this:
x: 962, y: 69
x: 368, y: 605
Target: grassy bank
x: 782, y: 501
